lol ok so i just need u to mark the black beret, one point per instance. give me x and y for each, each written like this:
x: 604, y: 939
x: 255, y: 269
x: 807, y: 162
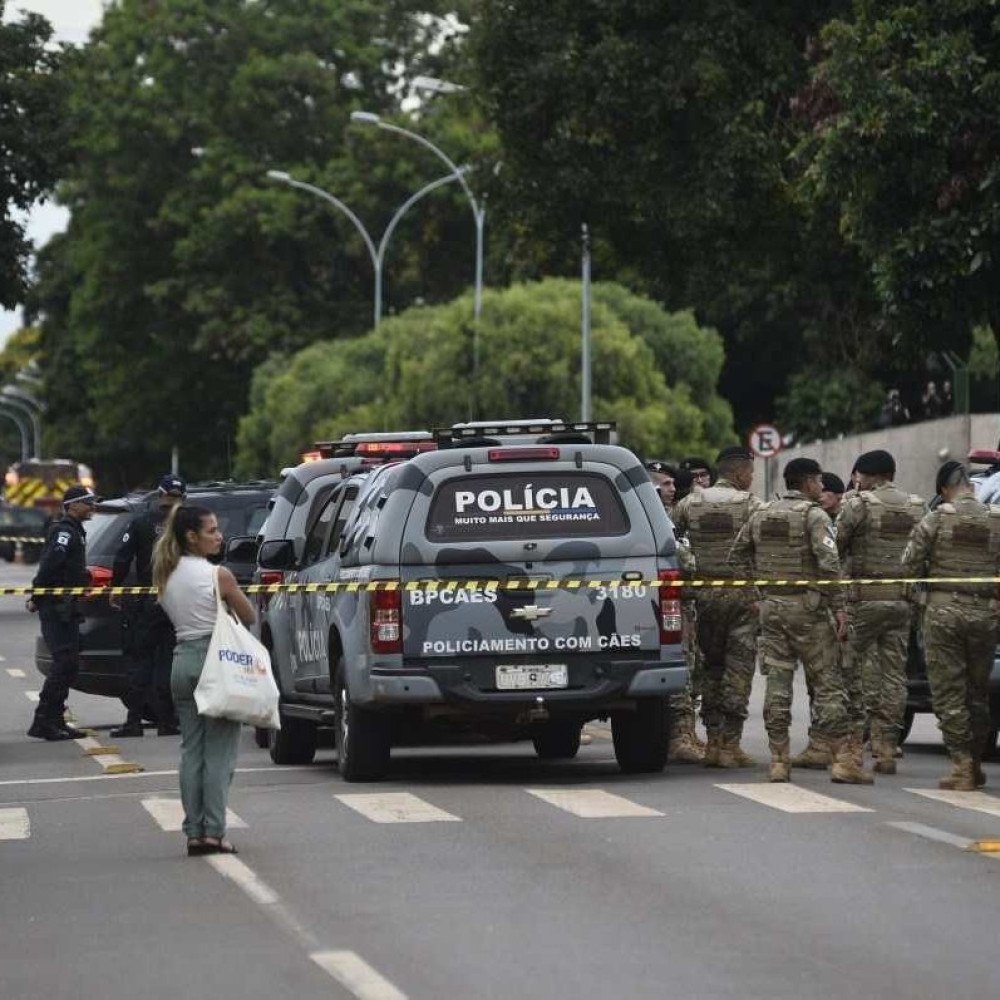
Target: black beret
x: 657, y: 465
x: 735, y: 451
x: 693, y: 462
x: 876, y: 463
x: 950, y: 474
x: 799, y: 468
x: 833, y: 483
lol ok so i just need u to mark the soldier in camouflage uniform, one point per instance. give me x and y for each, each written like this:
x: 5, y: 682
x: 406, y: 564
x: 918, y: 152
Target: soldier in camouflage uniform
x: 961, y: 538
x: 727, y: 620
x: 791, y: 538
x: 872, y: 531
x: 685, y: 747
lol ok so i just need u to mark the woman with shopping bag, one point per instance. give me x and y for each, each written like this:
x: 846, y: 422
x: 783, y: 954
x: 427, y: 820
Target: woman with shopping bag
x: 191, y: 590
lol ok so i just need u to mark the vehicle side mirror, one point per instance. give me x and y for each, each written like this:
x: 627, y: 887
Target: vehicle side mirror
x: 277, y: 554
x: 242, y: 549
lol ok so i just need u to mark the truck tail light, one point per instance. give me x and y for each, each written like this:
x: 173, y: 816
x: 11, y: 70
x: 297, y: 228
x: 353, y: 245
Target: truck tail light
x: 670, y: 607
x: 268, y: 577
x: 523, y: 454
x: 100, y: 576
x: 385, y: 615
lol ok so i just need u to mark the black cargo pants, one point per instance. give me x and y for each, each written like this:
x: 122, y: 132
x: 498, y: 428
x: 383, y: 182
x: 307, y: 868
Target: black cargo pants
x: 148, y: 644
x: 61, y: 632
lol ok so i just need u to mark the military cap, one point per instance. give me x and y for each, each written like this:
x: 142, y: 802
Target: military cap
x: 950, y: 474
x: 79, y: 494
x: 833, y: 483
x: 799, y: 468
x: 693, y: 462
x: 876, y: 463
x: 657, y: 465
x: 173, y: 485
x: 736, y: 451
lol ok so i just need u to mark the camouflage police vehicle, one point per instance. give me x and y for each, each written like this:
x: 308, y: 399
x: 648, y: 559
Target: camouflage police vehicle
x: 520, y: 580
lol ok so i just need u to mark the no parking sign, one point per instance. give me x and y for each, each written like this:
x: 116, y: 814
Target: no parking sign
x: 765, y: 441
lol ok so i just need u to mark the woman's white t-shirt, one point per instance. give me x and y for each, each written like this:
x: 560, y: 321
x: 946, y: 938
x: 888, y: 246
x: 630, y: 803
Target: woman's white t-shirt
x: 189, y: 598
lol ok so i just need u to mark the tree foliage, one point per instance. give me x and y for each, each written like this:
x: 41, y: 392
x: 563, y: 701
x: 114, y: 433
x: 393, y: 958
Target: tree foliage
x: 31, y: 136
x: 415, y: 371
x: 906, y: 145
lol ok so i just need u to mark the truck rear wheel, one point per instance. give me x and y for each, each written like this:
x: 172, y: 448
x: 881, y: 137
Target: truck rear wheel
x: 363, y: 737
x: 294, y: 742
x: 641, y: 737
x: 556, y: 739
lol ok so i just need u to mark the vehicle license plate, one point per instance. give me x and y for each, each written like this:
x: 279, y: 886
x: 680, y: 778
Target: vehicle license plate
x: 531, y: 678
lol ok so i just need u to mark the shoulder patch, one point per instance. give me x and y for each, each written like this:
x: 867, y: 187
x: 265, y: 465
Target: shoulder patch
x: 125, y: 537
x: 830, y: 543
x: 62, y: 538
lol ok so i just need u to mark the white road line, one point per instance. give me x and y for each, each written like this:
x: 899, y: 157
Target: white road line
x: 591, y: 803
x: 791, y: 798
x: 31, y: 696
x: 396, y: 807
x: 16, y: 672
x: 356, y: 975
x: 144, y: 774
x: 930, y: 833
x: 976, y: 801
x: 169, y: 814
x: 245, y: 877
x: 14, y: 824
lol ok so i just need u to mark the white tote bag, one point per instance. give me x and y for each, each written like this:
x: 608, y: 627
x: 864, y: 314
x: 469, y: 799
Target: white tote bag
x: 236, y: 681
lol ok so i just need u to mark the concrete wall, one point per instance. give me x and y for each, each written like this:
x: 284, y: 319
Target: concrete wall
x: 919, y: 450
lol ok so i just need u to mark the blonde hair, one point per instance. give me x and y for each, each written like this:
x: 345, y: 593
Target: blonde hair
x: 172, y: 544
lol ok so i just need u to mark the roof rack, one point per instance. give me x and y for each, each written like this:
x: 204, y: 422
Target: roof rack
x: 552, y: 431
x: 381, y: 444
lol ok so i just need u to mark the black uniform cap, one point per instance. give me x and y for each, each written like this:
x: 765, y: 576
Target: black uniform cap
x: 950, y: 474
x: 693, y: 462
x: 876, y: 463
x: 833, y: 483
x: 735, y: 451
x: 799, y: 468
x: 79, y: 494
x: 655, y: 465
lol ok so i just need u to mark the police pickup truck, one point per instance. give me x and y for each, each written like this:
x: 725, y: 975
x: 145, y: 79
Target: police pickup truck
x: 521, y: 579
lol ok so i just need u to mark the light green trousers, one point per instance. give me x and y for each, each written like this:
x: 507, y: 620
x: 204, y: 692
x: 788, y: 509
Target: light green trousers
x: 208, y: 747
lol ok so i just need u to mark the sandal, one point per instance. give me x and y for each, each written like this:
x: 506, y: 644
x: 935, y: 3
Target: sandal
x: 196, y: 846
x: 218, y: 845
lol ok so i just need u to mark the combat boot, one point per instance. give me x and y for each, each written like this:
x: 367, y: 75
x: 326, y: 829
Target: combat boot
x: 885, y: 757
x: 712, y: 748
x: 781, y: 768
x: 963, y: 774
x: 731, y: 754
x: 816, y: 756
x: 682, y: 749
x: 847, y: 769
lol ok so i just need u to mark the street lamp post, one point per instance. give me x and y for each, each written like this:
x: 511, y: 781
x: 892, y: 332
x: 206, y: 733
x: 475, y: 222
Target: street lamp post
x: 376, y: 253
x: 478, y: 211
x: 30, y: 407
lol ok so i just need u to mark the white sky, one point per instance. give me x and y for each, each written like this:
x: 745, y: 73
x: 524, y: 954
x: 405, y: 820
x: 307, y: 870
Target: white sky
x: 72, y: 21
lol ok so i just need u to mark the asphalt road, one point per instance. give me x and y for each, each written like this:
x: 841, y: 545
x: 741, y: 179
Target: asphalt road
x: 481, y: 873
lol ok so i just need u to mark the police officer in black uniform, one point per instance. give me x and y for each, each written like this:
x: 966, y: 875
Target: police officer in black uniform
x: 63, y: 563
x: 147, y: 635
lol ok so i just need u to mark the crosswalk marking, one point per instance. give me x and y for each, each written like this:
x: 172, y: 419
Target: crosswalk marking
x: 977, y: 801
x: 791, y: 798
x: 169, y: 814
x: 356, y: 975
x: 16, y: 672
x: 109, y: 761
x: 591, y: 803
x: 396, y: 807
x: 14, y: 824
x: 32, y: 696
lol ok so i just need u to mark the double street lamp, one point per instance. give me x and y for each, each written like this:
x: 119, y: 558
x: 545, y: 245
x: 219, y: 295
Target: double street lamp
x: 478, y: 211
x: 376, y: 253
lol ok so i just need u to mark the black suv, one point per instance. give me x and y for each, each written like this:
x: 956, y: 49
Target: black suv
x: 17, y: 523
x: 240, y: 508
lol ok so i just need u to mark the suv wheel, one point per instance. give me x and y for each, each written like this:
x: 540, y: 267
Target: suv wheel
x: 362, y: 737
x: 557, y: 739
x: 294, y: 742
x: 641, y: 737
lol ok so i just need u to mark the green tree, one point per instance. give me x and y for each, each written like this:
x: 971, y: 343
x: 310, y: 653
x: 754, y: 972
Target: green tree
x: 31, y: 138
x: 905, y: 142
x: 820, y: 403
x: 415, y: 371
x: 183, y: 266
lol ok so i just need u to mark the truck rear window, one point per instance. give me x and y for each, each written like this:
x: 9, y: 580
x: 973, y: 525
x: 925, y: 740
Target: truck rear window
x: 519, y: 505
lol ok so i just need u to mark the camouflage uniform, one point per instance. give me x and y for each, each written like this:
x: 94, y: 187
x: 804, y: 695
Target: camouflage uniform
x: 727, y: 622
x: 959, y: 539
x: 685, y: 747
x: 872, y: 531
x: 792, y: 537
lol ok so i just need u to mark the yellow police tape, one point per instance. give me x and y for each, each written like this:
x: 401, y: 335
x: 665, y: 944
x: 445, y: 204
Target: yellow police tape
x: 21, y: 538
x: 368, y: 587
